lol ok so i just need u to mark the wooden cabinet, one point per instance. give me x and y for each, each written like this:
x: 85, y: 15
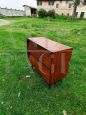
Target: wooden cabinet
x: 50, y: 59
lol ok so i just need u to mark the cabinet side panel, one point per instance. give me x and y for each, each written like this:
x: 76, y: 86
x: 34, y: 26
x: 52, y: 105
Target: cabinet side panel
x: 58, y: 66
x: 62, y: 64
x: 68, y: 55
x: 54, y: 66
x: 28, y: 48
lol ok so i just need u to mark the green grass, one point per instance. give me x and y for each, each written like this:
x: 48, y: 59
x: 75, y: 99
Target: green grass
x: 30, y: 96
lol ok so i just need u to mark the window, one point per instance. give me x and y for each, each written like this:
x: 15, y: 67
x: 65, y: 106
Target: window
x: 39, y: 3
x: 57, y: 5
x: 60, y: 0
x: 51, y: 3
x: 78, y: 2
x: 84, y: 2
x: 68, y: 14
x: 62, y: 14
x: 70, y: 5
x: 66, y: 1
x: 82, y: 15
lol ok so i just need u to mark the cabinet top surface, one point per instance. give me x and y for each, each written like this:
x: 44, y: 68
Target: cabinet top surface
x: 49, y: 45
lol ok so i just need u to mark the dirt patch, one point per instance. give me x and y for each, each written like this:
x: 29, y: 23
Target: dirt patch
x: 4, y: 22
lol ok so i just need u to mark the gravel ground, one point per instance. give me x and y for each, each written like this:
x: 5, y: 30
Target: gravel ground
x: 4, y: 22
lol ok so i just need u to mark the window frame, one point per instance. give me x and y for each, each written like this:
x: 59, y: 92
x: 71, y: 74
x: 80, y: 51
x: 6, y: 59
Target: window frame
x: 51, y: 3
x: 57, y: 5
x: 39, y: 3
x: 70, y: 5
x: 84, y: 2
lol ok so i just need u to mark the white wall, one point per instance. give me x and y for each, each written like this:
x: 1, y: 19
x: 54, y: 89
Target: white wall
x: 11, y: 12
x: 27, y: 11
x: 81, y: 9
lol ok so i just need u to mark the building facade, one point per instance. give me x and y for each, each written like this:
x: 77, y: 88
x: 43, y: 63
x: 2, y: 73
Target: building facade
x: 81, y: 9
x: 61, y: 7
x: 29, y: 11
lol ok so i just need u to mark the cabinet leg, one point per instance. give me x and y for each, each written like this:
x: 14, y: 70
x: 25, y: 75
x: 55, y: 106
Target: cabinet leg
x: 59, y: 83
x: 49, y: 86
x: 60, y: 80
x: 32, y: 66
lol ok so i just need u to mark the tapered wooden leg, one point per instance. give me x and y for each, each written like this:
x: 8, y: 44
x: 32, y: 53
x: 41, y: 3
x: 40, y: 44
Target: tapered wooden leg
x: 49, y: 86
x: 32, y: 66
x: 60, y: 80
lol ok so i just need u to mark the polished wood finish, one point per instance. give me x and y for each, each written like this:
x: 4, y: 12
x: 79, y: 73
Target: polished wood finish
x: 50, y: 59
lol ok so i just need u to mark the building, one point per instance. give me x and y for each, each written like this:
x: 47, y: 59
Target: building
x: 29, y: 11
x: 61, y: 7
x: 11, y: 12
x: 81, y: 9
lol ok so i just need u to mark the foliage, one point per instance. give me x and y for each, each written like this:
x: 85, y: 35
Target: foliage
x: 42, y: 13
x: 75, y: 4
x: 51, y: 13
x: 63, y: 17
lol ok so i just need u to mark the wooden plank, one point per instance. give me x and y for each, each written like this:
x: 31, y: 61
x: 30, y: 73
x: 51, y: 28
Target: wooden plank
x: 49, y: 45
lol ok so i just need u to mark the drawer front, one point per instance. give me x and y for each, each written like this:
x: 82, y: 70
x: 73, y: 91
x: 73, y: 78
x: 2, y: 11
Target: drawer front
x: 41, y: 68
x: 44, y: 71
x: 40, y: 54
x: 33, y: 60
x: 32, y: 46
x: 44, y: 58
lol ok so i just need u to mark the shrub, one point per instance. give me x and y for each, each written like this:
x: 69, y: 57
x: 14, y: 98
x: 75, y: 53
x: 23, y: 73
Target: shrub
x: 42, y: 13
x: 51, y: 13
x: 63, y: 17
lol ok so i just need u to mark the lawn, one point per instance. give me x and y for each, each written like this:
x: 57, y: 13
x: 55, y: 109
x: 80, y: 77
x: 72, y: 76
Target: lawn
x: 20, y: 95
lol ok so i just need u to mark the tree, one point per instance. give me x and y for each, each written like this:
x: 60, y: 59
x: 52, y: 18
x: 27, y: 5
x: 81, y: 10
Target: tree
x: 75, y: 4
